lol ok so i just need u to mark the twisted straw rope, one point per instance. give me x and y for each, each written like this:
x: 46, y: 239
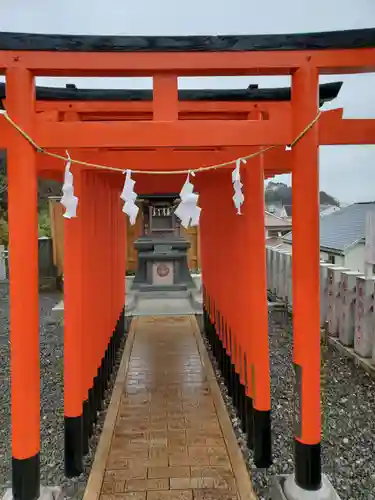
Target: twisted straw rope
x: 155, y: 172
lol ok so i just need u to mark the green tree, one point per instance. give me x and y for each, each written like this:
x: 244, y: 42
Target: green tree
x: 46, y: 188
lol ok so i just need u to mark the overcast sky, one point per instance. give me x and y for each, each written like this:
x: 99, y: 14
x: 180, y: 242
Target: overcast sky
x: 345, y: 172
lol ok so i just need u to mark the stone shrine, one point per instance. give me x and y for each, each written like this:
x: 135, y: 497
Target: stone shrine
x: 162, y: 250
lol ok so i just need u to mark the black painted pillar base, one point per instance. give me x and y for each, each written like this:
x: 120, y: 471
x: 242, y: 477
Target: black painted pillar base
x: 308, y: 468
x: 262, y: 439
x: 229, y: 375
x: 101, y: 389
x: 86, y: 426
x: 226, y: 370
x: 73, y: 446
x: 221, y: 360
x: 26, y: 478
x: 237, y: 391
x: 113, y: 350
x: 249, y: 421
x: 232, y: 371
x: 242, y: 406
x: 106, y: 371
x: 92, y: 409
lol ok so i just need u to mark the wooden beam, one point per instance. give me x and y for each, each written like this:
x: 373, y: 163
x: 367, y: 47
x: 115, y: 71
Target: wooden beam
x: 333, y: 130
x: 111, y: 64
x: 342, y: 132
x: 116, y: 109
x: 189, y: 133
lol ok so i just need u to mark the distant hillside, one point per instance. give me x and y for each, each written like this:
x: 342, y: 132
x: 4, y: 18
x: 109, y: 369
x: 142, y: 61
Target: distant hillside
x: 281, y: 194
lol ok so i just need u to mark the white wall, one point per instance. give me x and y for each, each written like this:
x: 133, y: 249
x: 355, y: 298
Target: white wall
x: 324, y: 256
x: 354, y: 258
x: 339, y: 259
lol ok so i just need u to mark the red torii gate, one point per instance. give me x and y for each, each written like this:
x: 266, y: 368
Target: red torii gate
x: 71, y: 104
x: 23, y: 56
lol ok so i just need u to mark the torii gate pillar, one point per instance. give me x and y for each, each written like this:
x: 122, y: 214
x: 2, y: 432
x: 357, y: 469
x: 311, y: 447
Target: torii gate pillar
x: 23, y: 283
x: 307, y: 481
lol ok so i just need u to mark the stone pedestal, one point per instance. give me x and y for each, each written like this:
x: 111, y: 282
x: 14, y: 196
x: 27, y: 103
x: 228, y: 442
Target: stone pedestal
x: 162, y: 263
x: 46, y: 493
x: 285, y: 488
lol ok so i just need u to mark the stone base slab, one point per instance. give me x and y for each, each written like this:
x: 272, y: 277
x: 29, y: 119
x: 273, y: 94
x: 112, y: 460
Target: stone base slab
x: 285, y: 488
x: 46, y: 493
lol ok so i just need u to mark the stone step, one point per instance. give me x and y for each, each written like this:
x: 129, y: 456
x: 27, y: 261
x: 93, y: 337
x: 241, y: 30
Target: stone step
x: 162, y: 288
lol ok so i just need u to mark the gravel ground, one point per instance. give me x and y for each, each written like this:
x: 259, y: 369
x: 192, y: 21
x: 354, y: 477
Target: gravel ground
x: 348, y: 400
x: 52, y: 418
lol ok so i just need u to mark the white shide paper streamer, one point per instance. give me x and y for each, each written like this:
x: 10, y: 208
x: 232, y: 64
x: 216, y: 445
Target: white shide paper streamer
x: 129, y: 196
x: 188, y: 211
x: 69, y: 200
x: 238, y: 197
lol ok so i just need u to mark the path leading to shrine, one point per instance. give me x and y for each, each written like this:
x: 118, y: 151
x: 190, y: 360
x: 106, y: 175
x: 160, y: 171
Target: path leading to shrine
x: 167, y: 433
x: 164, y: 303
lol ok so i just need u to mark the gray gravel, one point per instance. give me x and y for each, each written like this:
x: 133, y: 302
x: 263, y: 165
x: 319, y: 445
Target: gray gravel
x: 348, y: 399
x: 52, y: 417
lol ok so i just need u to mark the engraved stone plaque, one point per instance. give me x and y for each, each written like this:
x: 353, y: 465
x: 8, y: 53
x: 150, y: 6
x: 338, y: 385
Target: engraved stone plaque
x: 162, y: 273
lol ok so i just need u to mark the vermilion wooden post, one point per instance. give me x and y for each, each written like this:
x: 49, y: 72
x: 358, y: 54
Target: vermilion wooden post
x: 224, y: 217
x: 84, y: 202
x: 117, y: 271
x: 90, y: 266
x: 257, y: 310
x: 114, y: 280
x: 306, y: 307
x: 103, y: 270
x: 107, y: 327
x: 232, y: 255
x: 204, y: 255
x: 113, y: 287
x: 108, y: 282
x: 112, y: 265
x: 246, y: 332
x: 245, y: 396
x: 23, y: 288
x: 116, y: 244
x: 165, y: 97
x: 73, y: 348
x: 213, y: 263
x: 207, y: 254
x: 123, y: 263
x: 97, y: 269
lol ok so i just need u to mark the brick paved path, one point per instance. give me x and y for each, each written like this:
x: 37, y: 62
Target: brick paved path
x: 168, y: 441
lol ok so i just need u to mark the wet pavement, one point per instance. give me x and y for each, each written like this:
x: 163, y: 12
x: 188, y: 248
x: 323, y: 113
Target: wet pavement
x: 168, y: 442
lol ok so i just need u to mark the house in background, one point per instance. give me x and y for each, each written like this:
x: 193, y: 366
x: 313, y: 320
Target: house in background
x: 342, y: 236
x: 324, y: 210
x: 288, y: 211
x: 328, y: 209
x: 276, y: 227
x: 276, y: 209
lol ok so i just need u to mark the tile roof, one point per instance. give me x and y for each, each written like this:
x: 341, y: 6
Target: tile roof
x: 343, y: 228
x: 288, y: 210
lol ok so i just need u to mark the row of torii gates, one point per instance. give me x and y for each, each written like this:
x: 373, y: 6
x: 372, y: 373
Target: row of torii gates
x: 167, y: 129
